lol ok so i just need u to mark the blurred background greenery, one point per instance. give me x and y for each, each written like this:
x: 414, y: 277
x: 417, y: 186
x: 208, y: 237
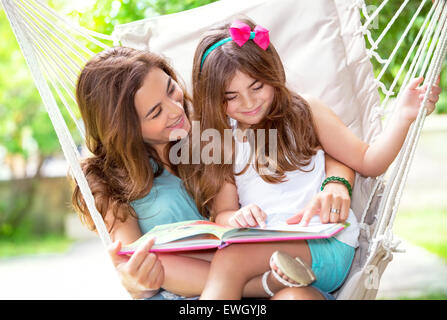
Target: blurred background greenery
x: 32, y: 215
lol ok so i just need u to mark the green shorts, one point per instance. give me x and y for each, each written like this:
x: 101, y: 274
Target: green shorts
x: 331, y: 261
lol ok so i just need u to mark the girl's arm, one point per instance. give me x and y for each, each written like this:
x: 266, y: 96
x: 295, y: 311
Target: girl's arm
x: 225, y: 204
x: 334, y: 195
x: 337, y: 193
x: 370, y: 160
x: 228, y: 212
x: 338, y: 169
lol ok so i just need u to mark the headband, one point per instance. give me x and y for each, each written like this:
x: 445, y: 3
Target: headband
x: 240, y: 33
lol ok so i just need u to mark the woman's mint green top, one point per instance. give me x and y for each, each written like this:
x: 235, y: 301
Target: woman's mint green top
x: 167, y: 202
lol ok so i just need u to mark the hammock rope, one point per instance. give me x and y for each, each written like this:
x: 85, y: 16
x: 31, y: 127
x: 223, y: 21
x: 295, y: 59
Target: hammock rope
x: 376, y: 43
x: 399, y: 176
x: 55, y: 51
x: 407, y: 57
x: 29, y: 49
x: 416, y: 132
x: 401, y: 39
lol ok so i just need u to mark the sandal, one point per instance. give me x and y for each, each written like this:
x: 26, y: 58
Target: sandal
x: 293, y: 268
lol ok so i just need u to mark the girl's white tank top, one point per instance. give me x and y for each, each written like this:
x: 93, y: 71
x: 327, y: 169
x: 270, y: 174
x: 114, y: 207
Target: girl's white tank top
x: 288, y: 197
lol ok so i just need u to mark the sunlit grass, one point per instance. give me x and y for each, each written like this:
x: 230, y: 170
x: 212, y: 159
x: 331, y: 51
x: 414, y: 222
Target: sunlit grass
x: 34, y: 245
x: 425, y: 228
x: 429, y: 296
x: 426, y: 296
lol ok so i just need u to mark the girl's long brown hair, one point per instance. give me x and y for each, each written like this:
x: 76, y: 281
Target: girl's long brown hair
x: 290, y: 114
x: 119, y: 169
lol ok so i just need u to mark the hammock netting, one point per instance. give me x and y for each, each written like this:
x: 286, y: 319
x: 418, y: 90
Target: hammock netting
x: 337, y: 34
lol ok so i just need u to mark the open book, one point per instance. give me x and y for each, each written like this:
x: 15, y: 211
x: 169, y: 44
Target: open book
x: 199, y: 234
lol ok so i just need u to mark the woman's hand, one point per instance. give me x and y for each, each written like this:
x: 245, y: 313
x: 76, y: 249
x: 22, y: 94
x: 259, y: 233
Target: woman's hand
x: 334, y: 196
x: 412, y: 97
x: 142, y: 273
x: 248, y: 216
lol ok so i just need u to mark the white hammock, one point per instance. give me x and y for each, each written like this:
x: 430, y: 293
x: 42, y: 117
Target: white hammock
x: 56, y: 50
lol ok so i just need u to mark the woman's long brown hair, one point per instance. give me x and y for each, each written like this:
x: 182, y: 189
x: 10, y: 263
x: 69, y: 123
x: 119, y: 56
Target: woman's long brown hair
x: 290, y: 114
x: 119, y: 169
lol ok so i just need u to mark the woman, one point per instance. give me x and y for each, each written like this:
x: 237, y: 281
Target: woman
x: 134, y: 110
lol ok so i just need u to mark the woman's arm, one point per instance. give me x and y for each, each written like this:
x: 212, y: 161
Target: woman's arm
x: 143, y: 273
x: 370, y: 160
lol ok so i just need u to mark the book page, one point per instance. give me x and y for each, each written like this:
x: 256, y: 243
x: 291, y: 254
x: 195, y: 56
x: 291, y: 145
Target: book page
x: 277, y: 222
x: 190, y: 243
x: 181, y: 230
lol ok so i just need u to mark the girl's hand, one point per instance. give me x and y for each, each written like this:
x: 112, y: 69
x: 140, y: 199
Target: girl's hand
x: 248, y: 216
x: 142, y: 274
x: 412, y: 97
x: 334, y: 196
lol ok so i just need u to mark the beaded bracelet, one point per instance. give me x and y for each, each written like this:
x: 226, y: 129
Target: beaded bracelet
x: 337, y: 179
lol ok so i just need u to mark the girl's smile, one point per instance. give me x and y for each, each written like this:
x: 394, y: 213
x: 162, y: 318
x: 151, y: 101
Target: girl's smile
x: 253, y: 112
x: 248, y: 100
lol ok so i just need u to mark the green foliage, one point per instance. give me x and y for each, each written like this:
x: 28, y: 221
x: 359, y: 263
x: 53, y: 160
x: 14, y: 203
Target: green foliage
x: 103, y: 16
x: 392, y: 37
x: 24, y: 230
x: 26, y: 244
x: 429, y: 296
x: 441, y: 107
x: 19, y: 101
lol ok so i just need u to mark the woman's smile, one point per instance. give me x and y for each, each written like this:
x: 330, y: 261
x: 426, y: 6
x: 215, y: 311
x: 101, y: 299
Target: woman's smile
x: 178, y: 123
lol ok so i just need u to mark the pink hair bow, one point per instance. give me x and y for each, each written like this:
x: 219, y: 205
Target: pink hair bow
x: 240, y: 33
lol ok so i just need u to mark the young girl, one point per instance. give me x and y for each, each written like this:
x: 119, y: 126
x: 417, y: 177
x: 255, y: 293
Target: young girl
x: 239, y: 83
